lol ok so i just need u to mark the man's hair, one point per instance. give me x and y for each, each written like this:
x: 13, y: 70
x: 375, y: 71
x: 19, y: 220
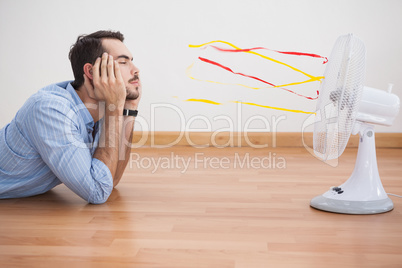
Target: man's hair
x: 87, y: 49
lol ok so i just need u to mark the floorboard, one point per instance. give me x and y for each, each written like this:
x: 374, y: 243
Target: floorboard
x: 208, y: 207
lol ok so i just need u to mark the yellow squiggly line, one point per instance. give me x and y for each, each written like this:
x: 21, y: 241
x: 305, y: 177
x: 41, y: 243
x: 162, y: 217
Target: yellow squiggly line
x: 275, y: 108
x: 254, y: 104
x: 312, y: 78
x: 205, y: 101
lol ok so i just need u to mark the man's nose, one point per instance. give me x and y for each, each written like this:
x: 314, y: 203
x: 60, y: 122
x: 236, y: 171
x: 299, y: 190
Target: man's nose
x: 134, y: 69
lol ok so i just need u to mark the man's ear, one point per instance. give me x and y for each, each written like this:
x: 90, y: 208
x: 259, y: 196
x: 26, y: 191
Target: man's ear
x: 88, y: 70
x: 88, y: 80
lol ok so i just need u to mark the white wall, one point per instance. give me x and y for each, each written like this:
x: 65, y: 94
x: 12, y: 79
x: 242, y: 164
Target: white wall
x: 36, y: 37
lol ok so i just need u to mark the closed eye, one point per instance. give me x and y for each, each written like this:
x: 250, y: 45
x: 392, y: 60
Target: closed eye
x: 123, y: 59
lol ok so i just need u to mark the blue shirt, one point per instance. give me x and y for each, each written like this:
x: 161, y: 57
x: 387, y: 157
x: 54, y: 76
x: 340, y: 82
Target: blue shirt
x: 50, y: 141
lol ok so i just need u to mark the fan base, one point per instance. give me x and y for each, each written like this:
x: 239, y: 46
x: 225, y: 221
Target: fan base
x: 352, y: 207
x: 363, y: 192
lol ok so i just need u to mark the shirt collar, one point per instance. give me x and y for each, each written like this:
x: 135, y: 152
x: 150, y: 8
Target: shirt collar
x: 83, y: 111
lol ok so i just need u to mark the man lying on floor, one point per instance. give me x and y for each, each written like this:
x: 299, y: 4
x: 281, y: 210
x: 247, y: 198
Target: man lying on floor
x: 76, y: 132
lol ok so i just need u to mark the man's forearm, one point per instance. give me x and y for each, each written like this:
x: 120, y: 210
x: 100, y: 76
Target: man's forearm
x: 125, y: 148
x: 109, y: 153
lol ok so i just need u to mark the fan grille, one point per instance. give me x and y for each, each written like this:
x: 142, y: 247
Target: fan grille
x: 340, y: 95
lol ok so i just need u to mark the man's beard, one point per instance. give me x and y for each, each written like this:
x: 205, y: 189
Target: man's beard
x: 133, y: 95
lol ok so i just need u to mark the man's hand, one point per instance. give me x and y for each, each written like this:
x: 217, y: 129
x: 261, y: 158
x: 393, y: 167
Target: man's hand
x: 108, y: 84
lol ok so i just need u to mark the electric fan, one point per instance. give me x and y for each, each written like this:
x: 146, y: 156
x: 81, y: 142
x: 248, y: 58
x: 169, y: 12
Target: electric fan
x: 346, y: 107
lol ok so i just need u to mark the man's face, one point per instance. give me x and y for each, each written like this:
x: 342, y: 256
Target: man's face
x: 129, y: 71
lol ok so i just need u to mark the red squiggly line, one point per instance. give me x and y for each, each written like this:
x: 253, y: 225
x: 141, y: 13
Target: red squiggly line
x: 253, y: 77
x: 230, y: 70
x: 282, y: 52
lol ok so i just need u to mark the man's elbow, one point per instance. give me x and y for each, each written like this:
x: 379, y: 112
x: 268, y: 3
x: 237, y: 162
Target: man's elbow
x: 97, y: 201
x: 100, y: 195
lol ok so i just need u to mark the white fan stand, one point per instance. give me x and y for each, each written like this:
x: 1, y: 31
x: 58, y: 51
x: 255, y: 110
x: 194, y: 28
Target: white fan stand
x: 363, y: 192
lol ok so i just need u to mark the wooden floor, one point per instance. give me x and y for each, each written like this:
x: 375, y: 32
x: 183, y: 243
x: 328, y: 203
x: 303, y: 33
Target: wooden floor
x: 216, y: 213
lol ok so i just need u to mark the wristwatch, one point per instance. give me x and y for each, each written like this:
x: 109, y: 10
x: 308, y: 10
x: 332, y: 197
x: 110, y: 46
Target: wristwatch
x: 130, y: 112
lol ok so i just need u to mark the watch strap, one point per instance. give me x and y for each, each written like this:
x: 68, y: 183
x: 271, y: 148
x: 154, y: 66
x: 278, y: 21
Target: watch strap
x: 128, y: 112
